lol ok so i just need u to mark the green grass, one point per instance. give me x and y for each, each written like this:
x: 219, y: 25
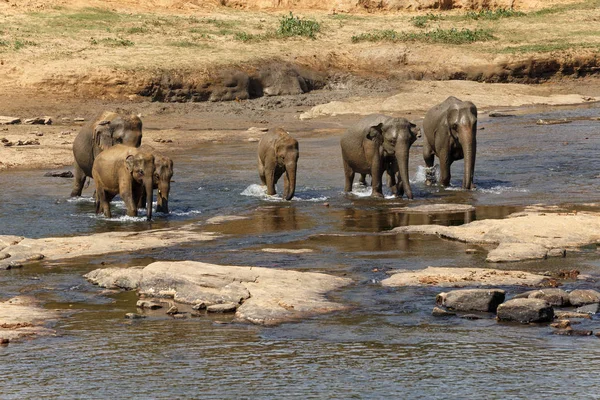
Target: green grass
x: 112, y: 42
x: 137, y: 30
x: 492, y: 15
x: 295, y: 26
x: 19, y: 44
x: 445, y: 36
x: 421, y: 21
x: 547, y: 47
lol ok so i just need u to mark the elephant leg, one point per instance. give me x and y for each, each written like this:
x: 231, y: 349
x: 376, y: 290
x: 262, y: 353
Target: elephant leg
x: 445, y: 163
x: 102, y: 203
x: 429, y: 158
x: 139, y: 197
x: 277, y: 175
x: 349, y: 175
x: 376, y: 177
x: 363, y: 179
x: 78, y: 181
x: 392, y: 183
x: 261, y: 172
x: 127, y: 195
x: 270, y: 181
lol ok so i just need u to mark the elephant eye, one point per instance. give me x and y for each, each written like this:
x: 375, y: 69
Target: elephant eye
x: 454, y: 127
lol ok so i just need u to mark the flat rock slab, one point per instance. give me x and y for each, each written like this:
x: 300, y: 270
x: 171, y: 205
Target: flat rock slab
x: 264, y: 296
x: 436, y: 208
x: 522, y: 236
x: 21, y: 317
x: 18, y: 250
x: 286, y: 251
x: 463, y: 277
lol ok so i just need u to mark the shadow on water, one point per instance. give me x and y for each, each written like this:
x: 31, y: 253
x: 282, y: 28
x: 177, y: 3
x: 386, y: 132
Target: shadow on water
x: 386, y: 345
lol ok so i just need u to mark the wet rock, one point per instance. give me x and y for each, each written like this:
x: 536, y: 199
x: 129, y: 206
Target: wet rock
x: 525, y: 311
x: 462, y: 277
x: 14, y: 265
x: 9, y: 120
x: 555, y: 297
x: 471, y: 299
x: 471, y: 317
x: 562, y: 324
x: 571, y: 315
x: 553, y: 121
x: 4, y: 341
x: 562, y: 253
x: 199, y: 306
x: 573, y: 332
x: 38, y: 121
x: 511, y: 252
x: 151, y: 305
x: 568, y: 274
x: 589, y: 309
x: 173, y: 310
x: 435, y: 208
x: 440, y: 312
x: 134, y: 316
x: 581, y: 297
x: 268, y: 296
x: 219, y: 219
x: 500, y: 115
x: 22, y: 317
x: 59, y: 174
x: 179, y: 316
x: 222, y: 308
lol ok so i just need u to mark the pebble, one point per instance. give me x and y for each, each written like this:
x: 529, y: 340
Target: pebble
x: 222, y: 308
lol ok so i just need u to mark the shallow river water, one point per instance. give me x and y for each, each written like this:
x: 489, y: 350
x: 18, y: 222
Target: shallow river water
x: 387, y: 346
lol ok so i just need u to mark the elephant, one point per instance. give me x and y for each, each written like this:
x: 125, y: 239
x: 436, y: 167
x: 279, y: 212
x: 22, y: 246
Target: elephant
x: 126, y: 171
x: 163, y: 172
x: 450, y: 134
x: 278, y: 154
x: 379, y: 143
x: 104, y: 131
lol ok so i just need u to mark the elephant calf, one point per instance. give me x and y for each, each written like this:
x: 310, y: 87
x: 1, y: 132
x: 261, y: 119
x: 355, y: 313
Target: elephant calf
x: 125, y: 171
x: 163, y: 172
x: 278, y: 154
x: 379, y: 143
x: 451, y: 134
x: 103, y: 132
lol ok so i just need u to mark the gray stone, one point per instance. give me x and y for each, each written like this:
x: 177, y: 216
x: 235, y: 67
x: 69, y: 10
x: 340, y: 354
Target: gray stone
x: 38, y: 121
x: 199, y: 306
x: 525, y: 311
x: 555, y: 297
x: 222, y: 308
x: 9, y: 120
x: 580, y: 297
x: 573, y: 332
x: 571, y: 314
x: 471, y: 299
x: 134, y: 316
x: 589, y: 309
x: 151, y: 305
x: 440, y: 312
x: 59, y: 174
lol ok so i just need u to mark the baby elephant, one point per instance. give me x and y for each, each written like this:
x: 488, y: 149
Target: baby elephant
x: 163, y: 172
x: 379, y: 143
x: 278, y: 154
x: 126, y: 171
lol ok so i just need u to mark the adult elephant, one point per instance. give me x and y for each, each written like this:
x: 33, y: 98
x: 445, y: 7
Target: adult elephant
x: 104, y: 131
x: 375, y: 144
x: 450, y: 134
x: 277, y: 155
x: 125, y: 171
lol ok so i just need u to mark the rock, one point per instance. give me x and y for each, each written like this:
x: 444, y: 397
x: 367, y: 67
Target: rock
x: 254, y: 129
x: 568, y: 274
x: 22, y: 317
x: 151, y: 305
x: 525, y: 311
x: 179, y: 316
x: 8, y: 144
x: 287, y: 251
x: 500, y: 115
x: 4, y: 341
x: 9, y: 120
x: 589, y: 309
x: 28, y: 142
x: 268, y: 296
x: 511, y: 252
x: 462, y: 277
x: 59, y: 174
x: 557, y: 253
x: 14, y: 265
x: 78, y: 119
x: 173, y: 310
x: 571, y: 314
x: 555, y: 297
x: 222, y: 308
x: 219, y: 219
x: 199, y: 306
x: 553, y: 121
x: 580, y: 297
x: 39, y: 121
x: 471, y: 299
x: 134, y: 316
x: 471, y: 317
x: 562, y: 324
x: 440, y: 312
x: 435, y: 208
x: 573, y: 332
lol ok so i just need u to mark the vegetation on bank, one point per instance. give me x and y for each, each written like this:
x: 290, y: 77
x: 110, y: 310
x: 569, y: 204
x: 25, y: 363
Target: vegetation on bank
x: 446, y: 36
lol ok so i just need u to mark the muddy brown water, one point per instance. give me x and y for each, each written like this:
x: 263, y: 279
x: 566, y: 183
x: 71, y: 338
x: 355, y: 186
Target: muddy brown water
x: 387, y: 345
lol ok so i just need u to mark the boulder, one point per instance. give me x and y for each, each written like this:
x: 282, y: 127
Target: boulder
x: 556, y: 297
x: 525, y: 311
x: 9, y: 120
x: 471, y: 299
x: 589, y: 309
x: 262, y: 295
x: 580, y: 297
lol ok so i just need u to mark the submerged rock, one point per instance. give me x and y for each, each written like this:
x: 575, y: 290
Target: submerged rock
x: 525, y: 311
x: 440, y: 312
x: 21, y: 317
x: 472, y: 299
x: 571, y: 314
x: 589, y: 309
x: 267, y: 296
x: 555, y: 297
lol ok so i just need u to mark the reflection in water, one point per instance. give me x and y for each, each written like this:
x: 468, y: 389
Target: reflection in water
x: 387, y: 345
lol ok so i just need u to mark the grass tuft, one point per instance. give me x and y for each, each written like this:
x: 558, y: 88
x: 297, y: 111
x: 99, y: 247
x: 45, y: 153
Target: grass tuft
x: 294, y: 26
x: 421, y: 21
x: 492, y: 15
x: 446, y: 36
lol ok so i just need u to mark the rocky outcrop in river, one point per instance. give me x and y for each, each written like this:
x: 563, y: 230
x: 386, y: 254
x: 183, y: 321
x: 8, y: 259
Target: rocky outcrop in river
x: 263, y: 296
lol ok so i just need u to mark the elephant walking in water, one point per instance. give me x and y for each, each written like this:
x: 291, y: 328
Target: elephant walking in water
x: 103, y: 132
x: 450, y: 134
x: 163, y: 172
x: 379, y: 143
x: 278, y: 155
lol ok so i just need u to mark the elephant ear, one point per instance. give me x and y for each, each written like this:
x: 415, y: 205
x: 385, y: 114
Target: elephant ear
x: 452, y: 122
x: 375, y: 131
x: 129, y: 163
x: 415, y: 131
x: 102, y: 135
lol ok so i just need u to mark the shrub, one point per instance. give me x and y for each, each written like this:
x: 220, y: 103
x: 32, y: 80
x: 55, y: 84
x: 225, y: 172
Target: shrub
x: 294, y: 26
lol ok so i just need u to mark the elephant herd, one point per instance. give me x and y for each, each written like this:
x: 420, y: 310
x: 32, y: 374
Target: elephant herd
x: 110, y: 150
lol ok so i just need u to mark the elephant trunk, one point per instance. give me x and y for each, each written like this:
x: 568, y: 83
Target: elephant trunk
x: 148, y: 187
x: 469, y: 146
x: 162, y: 198
x: 402, y: 160
x: 289, y: 187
